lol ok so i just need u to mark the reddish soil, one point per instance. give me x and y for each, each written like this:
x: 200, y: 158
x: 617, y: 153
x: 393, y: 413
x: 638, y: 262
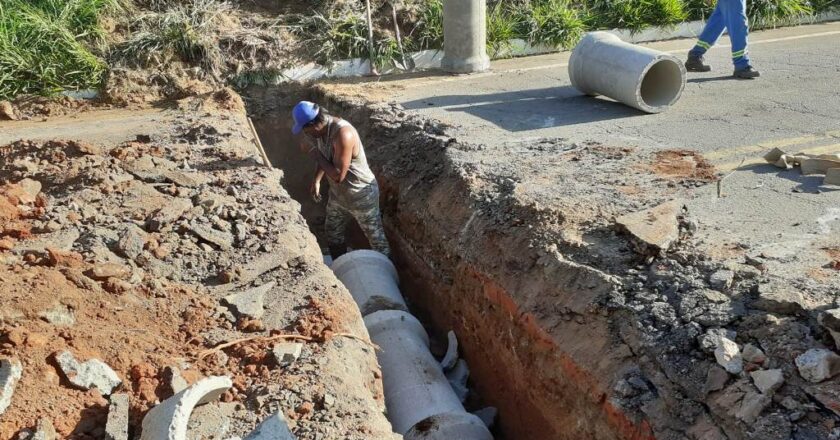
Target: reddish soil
x: 683, y: 164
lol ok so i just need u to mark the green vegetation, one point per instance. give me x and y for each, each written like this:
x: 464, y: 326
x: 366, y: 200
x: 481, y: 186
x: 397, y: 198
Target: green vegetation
x: 47, y: 46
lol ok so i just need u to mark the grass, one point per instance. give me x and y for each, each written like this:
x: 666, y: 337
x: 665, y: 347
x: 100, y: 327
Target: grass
x: 45, y: 46
x: 770, y: 13
x: 428, y: 31
x: 553, y: 23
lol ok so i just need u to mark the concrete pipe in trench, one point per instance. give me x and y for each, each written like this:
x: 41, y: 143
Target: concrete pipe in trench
x: 371, y: 279
x: 643, y: 78
x: 421, y: 403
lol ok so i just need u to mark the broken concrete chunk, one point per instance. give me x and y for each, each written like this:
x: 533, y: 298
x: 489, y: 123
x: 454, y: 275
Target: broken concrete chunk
x: 830, y: 320
x: 10, y: 373
x: 176, y: 382
x: 59, y: 315
x: 168, y: 214
x: 827, y: 393
x: 223, y: 240
x: 711, y: 339
x: 728, y: 356
x: 818, y: 364
x: 832, y: 176
x: 44, y: 430
x: 716, y: 379
x: 818, y: 166
x: 131, y: 242
x: 751, y: 406
x: 103, y: 271
x: 169, y: 419
x: 249, y: 303
x: 116, y: 426
x: 774, y: 155
x: 62, y: 240
x: 722, y: 279
x: 189, y: 180
x: 211, y: 421
x: 451, y: 355
x: 91, y: 374
x: 285, y: 353
x: 768, y: 381
x: 7, y: 111
x: 272, y: 428
x: 656, y: 227
x: 753, y: 355
x: 779, y: 298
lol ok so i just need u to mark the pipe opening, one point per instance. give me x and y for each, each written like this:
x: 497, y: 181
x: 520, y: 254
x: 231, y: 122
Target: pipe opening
x: 662, y: 84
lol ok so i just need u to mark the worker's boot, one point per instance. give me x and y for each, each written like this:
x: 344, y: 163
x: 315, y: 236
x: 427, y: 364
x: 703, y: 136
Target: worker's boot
x: 695, y: 63
x: 746, y: 73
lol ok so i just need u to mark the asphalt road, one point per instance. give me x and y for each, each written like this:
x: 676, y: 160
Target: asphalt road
x: 795, y: 105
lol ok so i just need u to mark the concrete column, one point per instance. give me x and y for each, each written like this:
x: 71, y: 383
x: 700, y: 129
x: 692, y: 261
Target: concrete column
x: 465, y: 36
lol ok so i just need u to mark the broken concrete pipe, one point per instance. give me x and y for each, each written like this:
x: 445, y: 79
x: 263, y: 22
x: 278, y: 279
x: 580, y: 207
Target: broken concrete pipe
x: 168, y: 420
x: 371, y: 279
x: 643, y: 78
x: 421, y: 404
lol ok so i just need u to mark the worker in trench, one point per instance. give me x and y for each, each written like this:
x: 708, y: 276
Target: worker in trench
x: 337, y: 150
x: 732, y: 16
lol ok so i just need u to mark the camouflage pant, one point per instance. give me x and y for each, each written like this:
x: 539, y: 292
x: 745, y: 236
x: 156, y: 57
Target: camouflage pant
x: 364, y: 207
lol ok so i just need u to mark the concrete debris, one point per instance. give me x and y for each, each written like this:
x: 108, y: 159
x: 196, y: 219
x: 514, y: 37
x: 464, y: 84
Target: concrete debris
x: 44, y: 430
x: 451, y: 356
x: 10, y: 373
x: 249, y: 303
x: 91, y: 374
x: 778, y: 298
x: 722, y: 279
x: 285, y: 353
x: 741, y: 401
x: 827, y: 393
x: 710, y: 340
x: 104, y: 271
x: 656, y: 227
x: 59, y: 315
x: 62, y: 240
x: 169, y: 419
x: 830, y: 320
x: 223, y: 240
x: 211, y: 421
x: 728, y: 356
x: 487, y: 415
x: 832, y: 176
x: 716, y: 379
x: 272, y: 428
x: 754, y: 355
x: 173, y: 378
x: 131, y: 242
x: 818, y: 364
x: 116, y: 426
x: 168, y: 214
x: 7, y: 111
x: 189, y: 180
x: 768, y: 381
x: 818, y: 166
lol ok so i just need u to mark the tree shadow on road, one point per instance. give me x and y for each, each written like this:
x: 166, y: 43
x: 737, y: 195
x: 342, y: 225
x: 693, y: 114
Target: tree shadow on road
x: 811, y: 184
x: 524, y: 110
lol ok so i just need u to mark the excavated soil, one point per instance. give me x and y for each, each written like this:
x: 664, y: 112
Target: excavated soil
x: 124, y: 251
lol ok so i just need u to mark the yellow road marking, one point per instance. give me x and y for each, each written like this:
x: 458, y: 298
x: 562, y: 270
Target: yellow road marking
x: 770, y: 144
x: 825, y: 149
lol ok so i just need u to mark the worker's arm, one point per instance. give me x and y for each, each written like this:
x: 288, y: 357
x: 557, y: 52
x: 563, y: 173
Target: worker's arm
x: 315, y: 187
x: 342, y: 156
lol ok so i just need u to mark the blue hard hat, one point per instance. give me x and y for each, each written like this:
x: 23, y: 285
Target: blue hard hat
x: 303, y: 113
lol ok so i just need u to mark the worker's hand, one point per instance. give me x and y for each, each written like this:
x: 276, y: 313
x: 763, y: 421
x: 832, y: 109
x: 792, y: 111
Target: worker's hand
x: 315, y: 191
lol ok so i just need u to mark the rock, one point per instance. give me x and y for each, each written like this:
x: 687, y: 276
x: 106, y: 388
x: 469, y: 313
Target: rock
x: 103, y: 271
x: 168, y: 214
x: 711, y: 339
x: 211, y: 421
x: 286, y: 353
x: 116, y: 426
x: 61, y: 240
x: 741, y: 401
x: 754, y: 355
x: 169, y: 419
x: 768, y: 381
x: 10, y: 373
x: 131, y: 242
x: 818, y: 364
x: 59, y: 315
x: 751, y: 406
x: 716, y: 379
x: 7, y: 111
x: 223, y: 240
x: 44, y: 430
x: 25, y: 191
x: 656, y: 227
x: 487, y: 415
x: 176, y: 382
x: 830, y: 320
x: 722, y: 279
x: 728, y: 356
x: 249, y: 303
x: 91, y: 374
x: 189, y: 180
x: 272, y: 428
x: 709, y: 308
x: 827, y: 393
x: 779, y: 298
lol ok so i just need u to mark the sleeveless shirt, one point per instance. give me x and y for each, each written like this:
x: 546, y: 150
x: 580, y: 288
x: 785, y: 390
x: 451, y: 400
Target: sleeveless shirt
x: 359, y: 177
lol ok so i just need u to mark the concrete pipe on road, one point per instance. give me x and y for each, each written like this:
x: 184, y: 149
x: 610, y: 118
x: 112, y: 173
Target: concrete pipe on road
x: 421, y: 403
x: 371, y: 279
x: 646, y: 79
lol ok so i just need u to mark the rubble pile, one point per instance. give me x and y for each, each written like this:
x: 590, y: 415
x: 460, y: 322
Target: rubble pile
x: 133, y: 273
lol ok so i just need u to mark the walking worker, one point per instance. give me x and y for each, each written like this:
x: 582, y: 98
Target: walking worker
x: 337, y: 150
x: 731, y: 15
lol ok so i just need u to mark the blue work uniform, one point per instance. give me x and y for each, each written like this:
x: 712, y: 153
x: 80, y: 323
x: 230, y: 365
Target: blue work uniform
x: 732, y: 16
